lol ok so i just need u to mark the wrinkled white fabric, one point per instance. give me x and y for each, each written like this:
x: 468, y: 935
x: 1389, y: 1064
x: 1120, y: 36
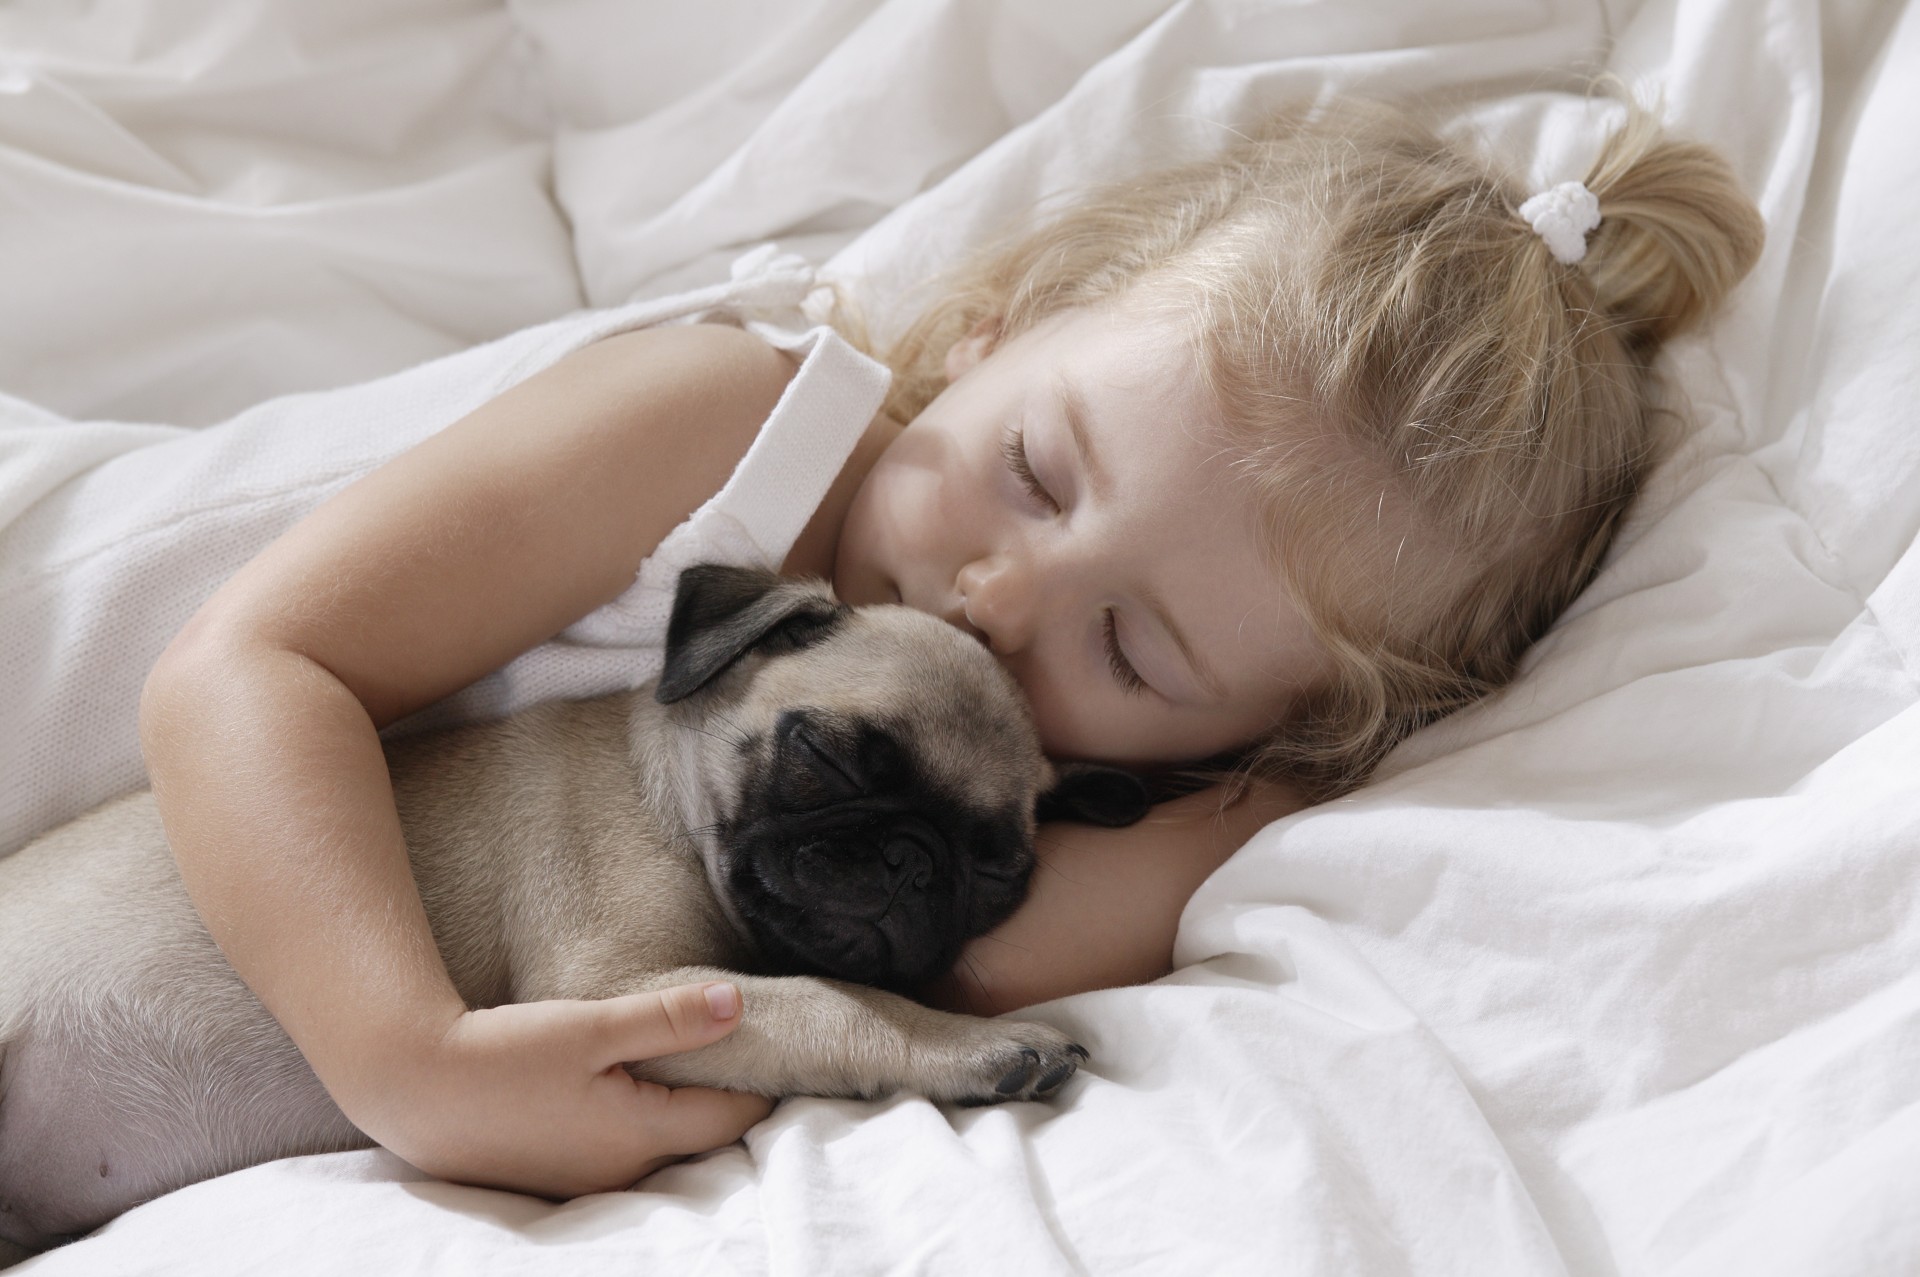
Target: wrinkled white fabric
x: 1612, y: 975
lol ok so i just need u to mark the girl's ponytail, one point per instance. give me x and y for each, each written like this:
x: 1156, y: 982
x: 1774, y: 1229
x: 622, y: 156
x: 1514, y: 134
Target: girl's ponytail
x: 1676, y: 231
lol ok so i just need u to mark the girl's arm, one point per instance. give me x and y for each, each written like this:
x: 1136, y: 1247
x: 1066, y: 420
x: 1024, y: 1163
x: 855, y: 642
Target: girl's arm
x: 260, y: 729
x: 1105, y: 903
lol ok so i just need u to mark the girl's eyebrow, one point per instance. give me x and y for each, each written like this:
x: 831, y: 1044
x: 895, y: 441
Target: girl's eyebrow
x: 1073, y: 406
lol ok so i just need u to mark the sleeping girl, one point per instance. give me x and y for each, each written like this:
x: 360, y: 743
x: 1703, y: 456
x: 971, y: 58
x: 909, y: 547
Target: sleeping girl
x: 1244, y: 469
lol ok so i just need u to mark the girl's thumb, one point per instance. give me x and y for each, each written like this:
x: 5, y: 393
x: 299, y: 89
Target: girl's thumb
x: 642, y: 1025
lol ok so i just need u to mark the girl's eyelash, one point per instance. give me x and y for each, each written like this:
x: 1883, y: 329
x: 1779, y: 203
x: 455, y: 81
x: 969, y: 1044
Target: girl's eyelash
x: 1013, y: 446
x: 1123, y: 671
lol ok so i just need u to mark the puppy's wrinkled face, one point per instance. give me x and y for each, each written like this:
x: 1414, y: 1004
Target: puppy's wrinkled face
x: 873, y: 776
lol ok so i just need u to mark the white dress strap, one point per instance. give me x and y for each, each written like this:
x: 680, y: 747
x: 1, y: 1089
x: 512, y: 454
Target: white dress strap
x: 754, y: 520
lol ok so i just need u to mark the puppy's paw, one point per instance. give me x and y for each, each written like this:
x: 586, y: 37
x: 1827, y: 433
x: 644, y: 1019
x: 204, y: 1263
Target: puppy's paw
x: 1002, y: 1061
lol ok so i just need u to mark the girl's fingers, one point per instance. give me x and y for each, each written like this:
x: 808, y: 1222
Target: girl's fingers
x: 523, y: 1061
x: 693, y: 1119
x: 643, y: 1025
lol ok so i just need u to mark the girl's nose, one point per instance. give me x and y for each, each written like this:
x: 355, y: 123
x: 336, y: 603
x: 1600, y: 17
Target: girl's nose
x: 997, y: 600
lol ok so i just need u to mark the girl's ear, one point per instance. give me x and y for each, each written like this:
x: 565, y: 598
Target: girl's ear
x: 972, y: 348
x: 1095, y: 795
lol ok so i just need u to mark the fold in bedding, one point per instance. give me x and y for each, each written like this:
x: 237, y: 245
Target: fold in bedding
x: 1612, y: 974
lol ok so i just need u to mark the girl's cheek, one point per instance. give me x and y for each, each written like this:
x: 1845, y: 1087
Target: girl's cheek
x: 913, y: 517
x: 1069, y: 725
x: 908, y: 487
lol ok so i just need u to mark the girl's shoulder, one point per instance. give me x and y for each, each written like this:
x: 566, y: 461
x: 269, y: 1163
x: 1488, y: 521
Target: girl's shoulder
x: 720, y: 358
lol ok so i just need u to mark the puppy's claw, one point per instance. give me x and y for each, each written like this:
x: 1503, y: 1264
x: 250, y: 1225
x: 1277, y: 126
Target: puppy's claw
x: 1056, y: 1079
x: 1008, y: 1061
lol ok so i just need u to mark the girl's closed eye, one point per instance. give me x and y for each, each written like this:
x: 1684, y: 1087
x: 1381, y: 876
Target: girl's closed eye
x: 1013, y: 446
x: 1123, y: 671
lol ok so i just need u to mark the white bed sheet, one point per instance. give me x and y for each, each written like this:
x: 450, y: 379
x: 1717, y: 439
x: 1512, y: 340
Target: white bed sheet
x: 1618, y: 973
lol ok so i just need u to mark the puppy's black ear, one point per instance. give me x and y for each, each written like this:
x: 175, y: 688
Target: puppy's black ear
x: 1095, y: 795
x: 721, y: 613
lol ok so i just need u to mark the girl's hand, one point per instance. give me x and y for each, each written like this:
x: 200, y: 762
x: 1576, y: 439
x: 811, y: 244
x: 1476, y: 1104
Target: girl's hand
x: 531, y: 1097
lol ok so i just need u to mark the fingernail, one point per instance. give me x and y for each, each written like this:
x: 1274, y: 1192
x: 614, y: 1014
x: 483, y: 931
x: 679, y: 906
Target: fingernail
x: 723, y: 1000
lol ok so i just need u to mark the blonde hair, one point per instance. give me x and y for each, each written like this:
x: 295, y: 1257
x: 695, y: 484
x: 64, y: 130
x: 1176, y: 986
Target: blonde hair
x: 1443, y: 423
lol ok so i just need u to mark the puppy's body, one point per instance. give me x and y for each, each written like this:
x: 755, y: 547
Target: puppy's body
x: 856, y: 805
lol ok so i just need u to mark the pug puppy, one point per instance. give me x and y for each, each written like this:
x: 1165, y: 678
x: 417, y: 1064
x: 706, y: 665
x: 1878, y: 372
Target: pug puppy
x: 819, y: 803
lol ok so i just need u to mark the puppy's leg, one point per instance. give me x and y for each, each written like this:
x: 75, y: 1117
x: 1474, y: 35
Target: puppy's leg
x: 802, y: 1035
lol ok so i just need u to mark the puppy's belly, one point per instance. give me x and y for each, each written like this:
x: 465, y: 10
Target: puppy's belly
x: 132, y: 1059
x: 104, y: 1112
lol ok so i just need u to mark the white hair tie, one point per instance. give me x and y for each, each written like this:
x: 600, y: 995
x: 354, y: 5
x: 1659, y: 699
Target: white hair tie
x: 1562, y: 215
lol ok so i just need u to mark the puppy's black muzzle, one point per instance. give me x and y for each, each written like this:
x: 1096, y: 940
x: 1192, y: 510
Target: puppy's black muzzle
x: 844, y: 861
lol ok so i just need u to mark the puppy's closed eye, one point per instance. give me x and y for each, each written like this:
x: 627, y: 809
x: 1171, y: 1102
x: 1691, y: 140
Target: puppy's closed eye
x: 836, y: 769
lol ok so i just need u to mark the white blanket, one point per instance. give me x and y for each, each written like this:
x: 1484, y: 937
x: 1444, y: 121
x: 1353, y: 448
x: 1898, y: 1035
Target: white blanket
x: 1618, y: 973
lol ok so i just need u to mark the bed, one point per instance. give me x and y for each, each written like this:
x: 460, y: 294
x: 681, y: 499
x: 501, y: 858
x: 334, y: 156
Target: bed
x: 1617, y: 973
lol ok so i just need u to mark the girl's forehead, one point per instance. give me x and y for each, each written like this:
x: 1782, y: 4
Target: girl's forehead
x: 1128, y: 329
x: 1113, y: 370
x: 1129, y: 384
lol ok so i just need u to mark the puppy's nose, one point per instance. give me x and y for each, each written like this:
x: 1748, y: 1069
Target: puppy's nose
x: 909, y: 863
x: 806, y: 745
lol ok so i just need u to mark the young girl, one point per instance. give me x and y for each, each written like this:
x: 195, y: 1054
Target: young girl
x: 1255, y: 464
